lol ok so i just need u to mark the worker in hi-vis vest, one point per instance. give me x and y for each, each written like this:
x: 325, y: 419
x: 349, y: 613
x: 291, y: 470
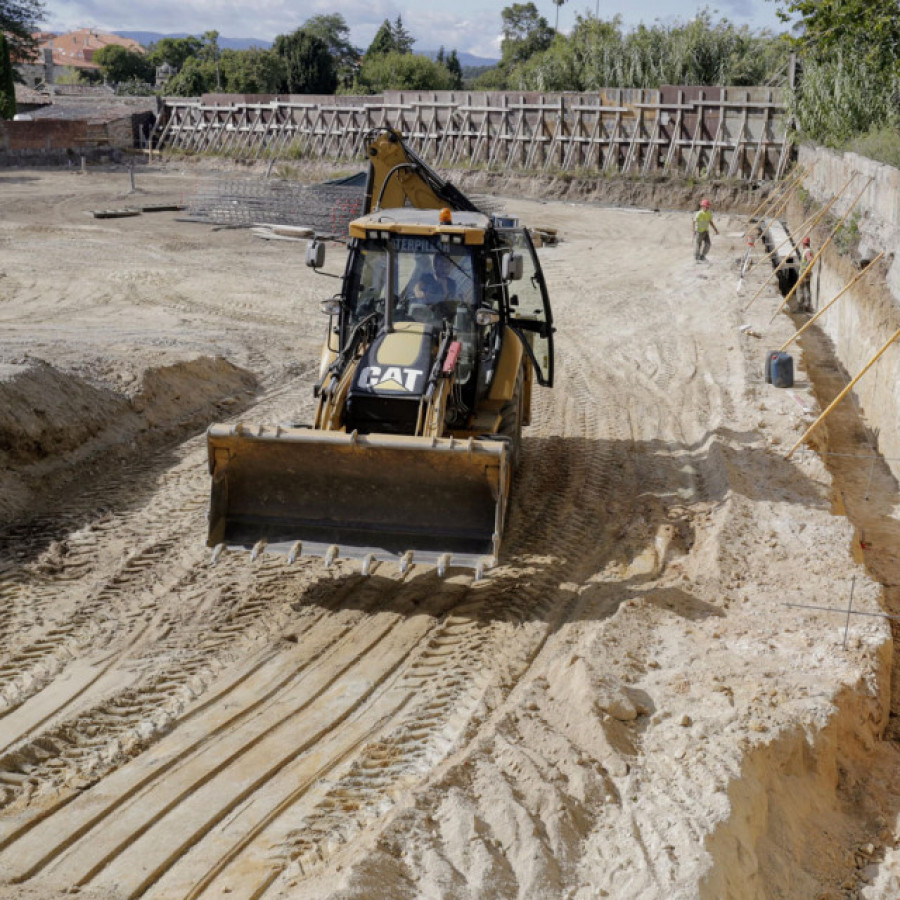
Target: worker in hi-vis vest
x: 703, y: 221
x: 804, y: 291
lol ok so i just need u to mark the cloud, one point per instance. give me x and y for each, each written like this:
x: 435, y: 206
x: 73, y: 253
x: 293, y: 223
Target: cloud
x: 459, y: 24
x: 262, y: 19
x: 435, y: 28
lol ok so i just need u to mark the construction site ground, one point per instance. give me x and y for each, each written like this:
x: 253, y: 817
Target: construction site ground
x: 641, y: 701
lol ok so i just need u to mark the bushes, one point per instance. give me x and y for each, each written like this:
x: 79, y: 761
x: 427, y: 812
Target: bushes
x: 848, y: 93
x: 843, y: 103
x: 600, y: 54
x: 842, y: 97
x: 882, y: 144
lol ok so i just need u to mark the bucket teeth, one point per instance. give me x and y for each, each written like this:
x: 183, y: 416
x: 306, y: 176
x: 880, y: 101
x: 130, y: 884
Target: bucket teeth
x: 368, y: 563
x: 346, y: 503
x: 258, y: 548
x: 217, y: 554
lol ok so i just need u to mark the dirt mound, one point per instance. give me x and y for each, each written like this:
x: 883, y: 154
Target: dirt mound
x: 45, y: 413
x: 53, y: 422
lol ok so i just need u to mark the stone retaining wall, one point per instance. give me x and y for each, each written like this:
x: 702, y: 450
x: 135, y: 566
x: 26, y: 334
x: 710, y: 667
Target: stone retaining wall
x: 863, y: 319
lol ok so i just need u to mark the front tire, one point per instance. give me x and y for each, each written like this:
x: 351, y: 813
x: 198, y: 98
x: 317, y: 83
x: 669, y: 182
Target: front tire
x: 511, y: 414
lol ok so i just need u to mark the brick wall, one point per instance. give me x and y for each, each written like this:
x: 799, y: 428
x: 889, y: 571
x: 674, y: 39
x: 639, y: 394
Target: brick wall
x: 48, y: 135
x: 42, y: 135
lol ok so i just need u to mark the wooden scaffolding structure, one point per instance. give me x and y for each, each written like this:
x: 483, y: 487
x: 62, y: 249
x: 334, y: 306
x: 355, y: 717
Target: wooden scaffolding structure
x: 700, y: 132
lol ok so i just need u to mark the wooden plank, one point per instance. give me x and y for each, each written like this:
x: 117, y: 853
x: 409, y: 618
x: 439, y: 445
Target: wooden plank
x: 693, y: 160
x: 739, y: 145
x: 612, y: 149
x: 651, y: 157
x: 676, y: 135
x: 559, y: 127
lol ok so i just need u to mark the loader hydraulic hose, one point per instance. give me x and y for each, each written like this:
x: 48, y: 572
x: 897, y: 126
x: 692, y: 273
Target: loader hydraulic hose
x: 387, y: 179
x: 342, y: 360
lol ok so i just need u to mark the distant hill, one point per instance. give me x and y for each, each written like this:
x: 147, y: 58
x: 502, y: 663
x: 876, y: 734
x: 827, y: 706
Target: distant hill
x: 146, y: 38
x: 466, y: 60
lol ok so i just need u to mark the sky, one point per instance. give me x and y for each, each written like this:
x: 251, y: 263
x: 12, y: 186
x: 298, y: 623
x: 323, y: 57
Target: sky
x: 472, y: 26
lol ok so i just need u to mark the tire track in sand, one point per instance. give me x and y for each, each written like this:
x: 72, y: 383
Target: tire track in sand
x: 96, y: 585
x: 215, y: 764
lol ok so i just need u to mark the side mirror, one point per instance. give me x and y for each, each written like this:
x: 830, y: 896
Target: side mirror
x: 486, y: 316
x: 331, y: 306
x: 513, y: 266
x: 315, y: 254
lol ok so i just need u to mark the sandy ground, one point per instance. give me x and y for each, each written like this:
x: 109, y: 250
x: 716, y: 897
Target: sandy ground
x: 635, y: 704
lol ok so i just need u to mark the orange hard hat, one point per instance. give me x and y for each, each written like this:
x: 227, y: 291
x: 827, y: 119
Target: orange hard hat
x: 704, y: 203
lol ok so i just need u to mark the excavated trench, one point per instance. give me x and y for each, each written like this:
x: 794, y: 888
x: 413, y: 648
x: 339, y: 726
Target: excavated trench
x: 827, y: 803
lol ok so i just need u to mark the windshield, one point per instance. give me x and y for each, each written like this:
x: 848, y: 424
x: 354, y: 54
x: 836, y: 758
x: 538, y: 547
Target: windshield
x: 431, y: 278
x: 433, y: 282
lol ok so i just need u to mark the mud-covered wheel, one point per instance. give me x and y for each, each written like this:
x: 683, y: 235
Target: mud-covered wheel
x: 511, y: 422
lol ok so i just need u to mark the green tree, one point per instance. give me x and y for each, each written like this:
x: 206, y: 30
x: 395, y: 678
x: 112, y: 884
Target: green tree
x: 557, y: 4
x: 403, y: 40
x: 197, y: 76
x: 174, y: 51
x: 309, y: 67
x: 488, y: 78
x: 843, y: 97
x: 71, y: 75
x: 18, y: 20
x: 119, y: 64
x: 391, y: 38
x: 333, y: 30
x: 525, y: 32
x: 7, y: 87
x: 868, y: 28
x: 211, y: 53
x: 383, y: 42
x: 455, y: 69
x: 253, y: 71
x: 402, y: 72
x: 850, y: 72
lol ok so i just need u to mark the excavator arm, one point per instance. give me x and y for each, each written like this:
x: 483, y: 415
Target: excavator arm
x: 398, y: 177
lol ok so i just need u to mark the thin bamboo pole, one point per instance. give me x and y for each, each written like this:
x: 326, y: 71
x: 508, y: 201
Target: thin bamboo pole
x: 830, y: 303
x: 788, y: 187
x: 807, y: 225
x: 806, y: 272
x: 770, y: 200
x: 843, y: 393
x: 782, y: 203
x: 805, y: 229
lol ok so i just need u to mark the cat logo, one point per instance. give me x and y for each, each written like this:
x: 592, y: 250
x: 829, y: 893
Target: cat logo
x: 391, y: 378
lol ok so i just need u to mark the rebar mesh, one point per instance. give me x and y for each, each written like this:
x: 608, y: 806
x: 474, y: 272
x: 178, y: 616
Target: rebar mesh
x: 326, y: 208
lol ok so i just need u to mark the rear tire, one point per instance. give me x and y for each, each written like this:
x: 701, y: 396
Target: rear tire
x: 511, y: 414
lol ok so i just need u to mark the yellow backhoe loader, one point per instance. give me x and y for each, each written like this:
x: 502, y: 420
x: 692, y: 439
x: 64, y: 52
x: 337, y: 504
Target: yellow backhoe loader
x: 440, y: 329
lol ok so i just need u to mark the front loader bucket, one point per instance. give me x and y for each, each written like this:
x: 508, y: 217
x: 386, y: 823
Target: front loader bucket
x: 371, y: 497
